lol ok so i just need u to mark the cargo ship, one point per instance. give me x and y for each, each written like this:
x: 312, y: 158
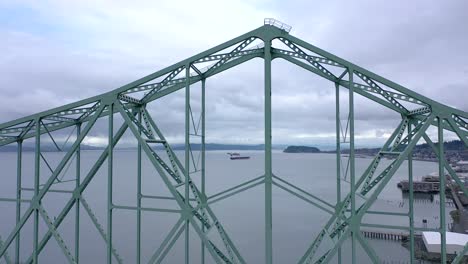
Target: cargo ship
x: 237, y: 156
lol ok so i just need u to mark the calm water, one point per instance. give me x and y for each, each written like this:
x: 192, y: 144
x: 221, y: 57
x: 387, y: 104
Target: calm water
x: 295, y: 222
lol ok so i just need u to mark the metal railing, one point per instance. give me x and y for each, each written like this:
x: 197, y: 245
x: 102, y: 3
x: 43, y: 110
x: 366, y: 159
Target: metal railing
x: 277, y: 23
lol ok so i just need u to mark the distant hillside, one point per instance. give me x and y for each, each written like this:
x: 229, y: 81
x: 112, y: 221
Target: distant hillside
x: 49, y: 147
x: 449, y: 146
x: 301, y: 149
x: 44, y: 147
x: 213, y: 146
x: 454, y: 145
x: 454, y: 150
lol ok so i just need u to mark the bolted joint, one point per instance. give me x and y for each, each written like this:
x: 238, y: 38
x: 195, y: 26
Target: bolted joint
x: 76, y: 194
x: 35, y: 203
x: 441, y: 111
x: 109, y: 99
x: 268, y: 33
x: 355, y: 222
x: 129, y: 99
x: 186, y: 213
x: 203, y: 200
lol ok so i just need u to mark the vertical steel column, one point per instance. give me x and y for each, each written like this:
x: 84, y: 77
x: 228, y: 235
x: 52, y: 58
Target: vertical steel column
x: 37, y: 159
x: 138, y: 255
x: 338, y: 157
x: 352, y: 172
x: 187, y: 159
x: 203, y: 172
x: 443, y: 227
x: 77, y: 203
x: 110, y: 161
x: 18, y: 197
x: 411, y: 198
x: 268, y: 162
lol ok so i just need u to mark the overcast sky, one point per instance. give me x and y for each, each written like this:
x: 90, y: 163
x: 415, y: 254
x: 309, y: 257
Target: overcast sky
x: 57, y: 52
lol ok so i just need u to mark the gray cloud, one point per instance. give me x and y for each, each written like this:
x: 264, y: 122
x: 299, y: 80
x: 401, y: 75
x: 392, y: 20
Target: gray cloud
x: 97, y: 47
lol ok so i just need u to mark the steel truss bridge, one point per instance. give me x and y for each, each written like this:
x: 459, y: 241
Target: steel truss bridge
x: 418, y: 113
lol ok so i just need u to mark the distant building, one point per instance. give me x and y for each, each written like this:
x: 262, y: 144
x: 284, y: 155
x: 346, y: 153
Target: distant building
x: 461, y: 166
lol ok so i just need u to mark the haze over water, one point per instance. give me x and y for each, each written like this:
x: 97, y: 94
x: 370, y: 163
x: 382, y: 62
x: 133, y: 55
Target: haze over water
x: 295, y: 222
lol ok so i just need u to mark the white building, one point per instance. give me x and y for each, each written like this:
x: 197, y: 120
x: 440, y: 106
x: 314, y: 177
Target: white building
x: 455, y: 242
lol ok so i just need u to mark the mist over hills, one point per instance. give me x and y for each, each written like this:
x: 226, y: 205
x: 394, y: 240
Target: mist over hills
x: 49, y: 147
x: 422, y: 149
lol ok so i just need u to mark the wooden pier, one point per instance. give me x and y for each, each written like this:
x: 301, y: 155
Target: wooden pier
x: 384, y: 235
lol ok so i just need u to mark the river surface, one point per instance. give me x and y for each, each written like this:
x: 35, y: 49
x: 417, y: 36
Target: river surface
x: 295, y: 222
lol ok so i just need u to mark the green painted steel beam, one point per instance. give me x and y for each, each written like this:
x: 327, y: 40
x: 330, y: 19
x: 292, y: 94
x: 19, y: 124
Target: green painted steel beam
x: 160, y: 94
x: 462, y: 135
x: 187, y: 160
x: 441, y: 161
x: 147, y: 209
x: 139, y: 195
x: 367, y: 248
x: 260, y: 33
x: 100, y: 229
x: 201, y: 217
x: 382, y: 226
x: 281, y: 186
x: 268, y: 155
x: 353, y: 226
x: 303, y: 191
x: 110, y: 169
x: 203, y: 158
x: 387, y: 213
x: 6, y: 256
x: 166, y: 240
x: 77, y: 203
x: 450, y: 170
x: 78, y: 191
x: 434, y: 105
x: 37, y: 169
x: 57, y: 127
x: 368, y: 203
x: 237, y: 191
x: 40, y: 193
x: 19, y: 170
x: 338, y: 155
x: 179, y: 197
x: 170, y: 245
x: 411, y: 202
x: 460, y: 255
x: 57, y: 236
x: 341, y: 82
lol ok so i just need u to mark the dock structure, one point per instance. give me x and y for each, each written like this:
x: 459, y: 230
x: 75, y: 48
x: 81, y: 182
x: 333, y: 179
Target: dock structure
x: 428, y: 184
x: 185, y: 179
x: 373, y: 234
x: 420, y: 186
